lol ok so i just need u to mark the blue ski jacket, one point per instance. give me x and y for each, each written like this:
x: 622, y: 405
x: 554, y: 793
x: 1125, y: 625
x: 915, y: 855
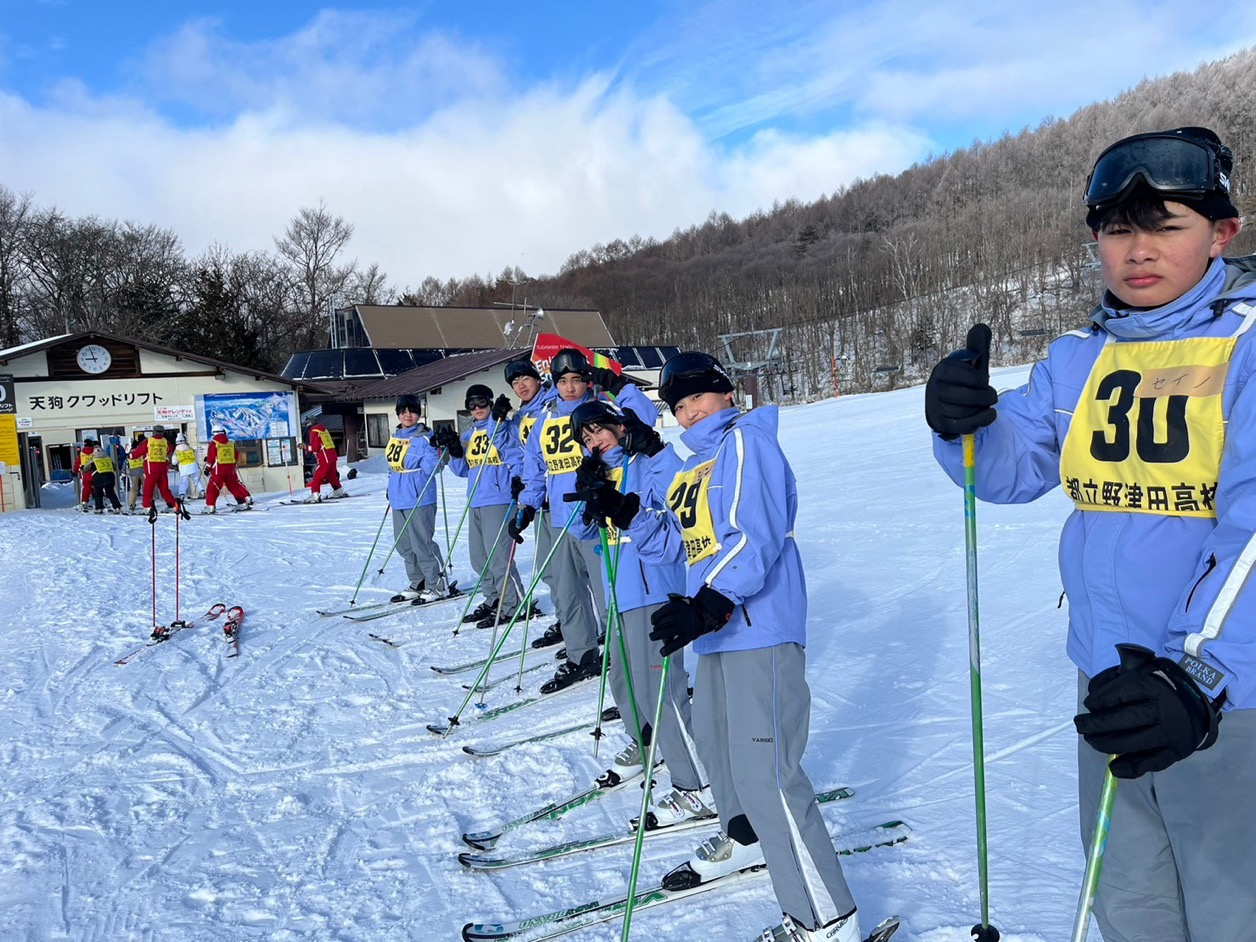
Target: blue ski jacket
x: 734, y: 524
x: 1172, y: 572
x: 552, y: 455
x: 492, y: 459
x: 636, y: 584
x: 412, y: 462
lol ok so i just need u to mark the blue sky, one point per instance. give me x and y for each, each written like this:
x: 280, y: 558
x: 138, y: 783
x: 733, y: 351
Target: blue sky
x: 467, y: 136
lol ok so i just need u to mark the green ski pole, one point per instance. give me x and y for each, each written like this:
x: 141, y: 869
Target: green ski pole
x: 527, y: 618
x: 406, y: 524
x: 366, y: 565
x: 982, y: 932
x: 488, y: 562
x: 1094, y: 860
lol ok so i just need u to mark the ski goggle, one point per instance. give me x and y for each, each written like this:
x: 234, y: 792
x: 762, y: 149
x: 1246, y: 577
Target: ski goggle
x: 1168, y: 163
x: 478, y: 402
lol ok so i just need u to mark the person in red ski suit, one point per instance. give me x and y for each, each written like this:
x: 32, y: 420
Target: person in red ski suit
x: 220, y: 464
x: 156, y: 452
x: 324, y: 449
x: 83, y: 469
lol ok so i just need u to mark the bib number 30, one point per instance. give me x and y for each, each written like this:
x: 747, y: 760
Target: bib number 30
x: 1113, y: 443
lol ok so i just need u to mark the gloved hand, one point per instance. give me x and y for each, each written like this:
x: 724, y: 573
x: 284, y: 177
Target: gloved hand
x: 448, y: 439
x: 608, y: 379
x: 639, y: 438
x: 519, y: 522
x: 501, y: 408
x: 1148, y: 711
x: 958, y: 397
x: 516, y: 487
x: 602, y: 500
x: 681, y: 619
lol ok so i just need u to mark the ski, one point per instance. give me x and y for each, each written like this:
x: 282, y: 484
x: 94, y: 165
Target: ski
x: 485, y: 862
x: 560, y: 922
x: 609, y: 781
x: 487, y: 716
x: 396, y: 608
x: 496, y: 749
x: 387, y: 641
x: 474, y: 665
x: 354, y: 609
x: 163, y: 633
x: 231, y: 630
x: 309, y: 503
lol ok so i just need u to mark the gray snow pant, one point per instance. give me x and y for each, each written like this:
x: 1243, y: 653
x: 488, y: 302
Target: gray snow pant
x: 417, y: 547
x: 675, y: 733
x: 572, y: 594
x: 544, y: 541
x: 488, y: 537
x: 751, y: 716
x: 1181, y: 848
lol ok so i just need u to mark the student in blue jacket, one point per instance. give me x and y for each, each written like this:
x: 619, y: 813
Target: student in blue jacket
x: 730, y: 516
x: 412, y: 462
x: 627, y: 464
x: 1145, y: 419
x: 488, y: 456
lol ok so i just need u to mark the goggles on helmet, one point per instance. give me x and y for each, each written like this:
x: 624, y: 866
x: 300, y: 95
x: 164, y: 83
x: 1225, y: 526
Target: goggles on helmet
x: 1168, y: 163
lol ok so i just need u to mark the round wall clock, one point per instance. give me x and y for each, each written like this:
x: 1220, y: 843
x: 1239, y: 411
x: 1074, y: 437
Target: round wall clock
x: 94, y: 358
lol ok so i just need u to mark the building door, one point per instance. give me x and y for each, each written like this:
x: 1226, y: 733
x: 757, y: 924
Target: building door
x: 30, y: 447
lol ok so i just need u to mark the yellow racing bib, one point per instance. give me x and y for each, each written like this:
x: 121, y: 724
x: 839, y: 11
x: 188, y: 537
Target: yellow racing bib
x: 325, y: 436
x: 559, y: 449
x: 1148, y: 431
x: 480, y: 450
x: 103, y: 465
x: 158, y: 451
x: 689, y: 499
x: 395, y: 453
x: 226, y: 453
x: 186, y: 456
x: 525, y: 428
x: 135, y: 463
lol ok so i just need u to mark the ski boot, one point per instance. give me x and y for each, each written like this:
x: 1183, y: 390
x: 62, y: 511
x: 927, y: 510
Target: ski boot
x: 676, y: 806
x: 845, y: 929
x: 715, y: 857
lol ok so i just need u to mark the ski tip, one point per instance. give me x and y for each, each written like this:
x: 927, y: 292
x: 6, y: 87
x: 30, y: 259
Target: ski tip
x: 437, y: 729
x: 482, y: 840
x: 886, y: 928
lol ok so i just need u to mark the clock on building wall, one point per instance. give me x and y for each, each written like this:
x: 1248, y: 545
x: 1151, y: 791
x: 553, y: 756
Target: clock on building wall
x: 94, y: 358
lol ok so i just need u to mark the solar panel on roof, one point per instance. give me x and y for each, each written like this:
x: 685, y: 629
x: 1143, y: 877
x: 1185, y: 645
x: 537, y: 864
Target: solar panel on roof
x: 360, y: 361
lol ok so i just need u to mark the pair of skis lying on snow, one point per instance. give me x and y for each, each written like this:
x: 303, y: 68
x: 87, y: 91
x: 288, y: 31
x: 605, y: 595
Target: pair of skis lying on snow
x: 571, y: 919
x: 230, y: 631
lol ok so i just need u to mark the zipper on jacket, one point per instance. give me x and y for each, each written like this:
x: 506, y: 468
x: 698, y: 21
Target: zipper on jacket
x: 746, y: 611
x: 646, y: 581
x: 1212, y: 564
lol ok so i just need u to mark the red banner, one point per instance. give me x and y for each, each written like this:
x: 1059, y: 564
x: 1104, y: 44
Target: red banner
x: 547, y: 345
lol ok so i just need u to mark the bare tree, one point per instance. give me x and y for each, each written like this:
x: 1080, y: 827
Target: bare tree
x: 15, y: 211
x: 311, y: 245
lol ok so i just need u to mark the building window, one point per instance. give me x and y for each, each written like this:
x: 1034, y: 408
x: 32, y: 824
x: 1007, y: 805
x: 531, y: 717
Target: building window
x: 378, y: 431
x: 249, y: 453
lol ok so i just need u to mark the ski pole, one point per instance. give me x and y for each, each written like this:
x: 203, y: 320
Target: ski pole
x: 152, y: 522
x: 615, y: 623
x: 177, y: 620
x: 370, y: 553
x: 470, y: 496
x: 497, y: 617
x: 983, y: 932
x: 645, y: 802
x: 444, y: 510
x: 527, y: 600
x: 527, y: 618
x: 417, y: 500
x: 484, y: 569
x: 1094, y: 860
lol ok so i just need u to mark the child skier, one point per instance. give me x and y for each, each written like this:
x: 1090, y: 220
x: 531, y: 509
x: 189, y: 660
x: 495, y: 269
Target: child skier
x: 628, y: 465
x: 730, y: 516
x: 489, y: 457
x: 551, y: 458
x: 1145, y: 419
x: 323, y: 448
x: 412, y: 463
x: 220, y: 463
x: 100, y: 465
x: 184, y: 459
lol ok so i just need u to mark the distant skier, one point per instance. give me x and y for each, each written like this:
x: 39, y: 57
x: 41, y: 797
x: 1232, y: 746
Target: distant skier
x: 220, y: 463
x: 1146, y: 420
x: 185, y: 462
x: 83, y: 471
x: 323, y: 448
x: 103, y: 476
x: 135, y: 470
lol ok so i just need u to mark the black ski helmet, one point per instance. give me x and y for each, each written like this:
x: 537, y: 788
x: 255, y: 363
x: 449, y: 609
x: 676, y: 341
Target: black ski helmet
x: 521, y: 367
x: 570, y: 361
x: 409, y: 402
x: 478, y: 392
x: 594, y: 412
x: 692, y: 372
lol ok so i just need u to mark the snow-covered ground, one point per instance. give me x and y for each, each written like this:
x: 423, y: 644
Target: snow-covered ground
x: 294, y: 792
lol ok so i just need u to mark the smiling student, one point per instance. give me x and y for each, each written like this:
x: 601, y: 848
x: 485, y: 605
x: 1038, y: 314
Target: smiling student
x: 1146, y: 421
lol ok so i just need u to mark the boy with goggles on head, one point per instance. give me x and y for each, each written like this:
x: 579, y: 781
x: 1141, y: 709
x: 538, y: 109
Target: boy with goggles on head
x: 1146, y: 421
x: 412, y: 462
x: 730, y: 518
x: 489, y: 457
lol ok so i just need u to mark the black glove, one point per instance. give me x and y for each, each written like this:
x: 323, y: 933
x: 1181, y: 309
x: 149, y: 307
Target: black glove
x: 519, y: 522
x: 516, y: 487
x: 608, y: 379
x: 681, y: 619
x: 501, y: 408
x: 602, y: 500
x: 958, y: 397
x: 639, y: 438
x: 1148, y: 711
x: 448, y: 439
